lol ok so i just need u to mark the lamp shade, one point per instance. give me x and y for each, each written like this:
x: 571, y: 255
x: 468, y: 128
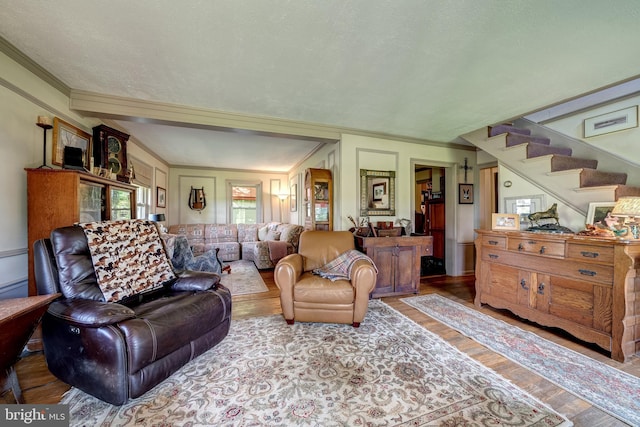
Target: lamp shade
x: 627, y: 206
x: 157, y: 217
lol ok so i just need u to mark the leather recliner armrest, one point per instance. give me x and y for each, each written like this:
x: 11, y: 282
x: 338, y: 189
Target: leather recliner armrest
x: 90, y: 313
x: 196, y: 281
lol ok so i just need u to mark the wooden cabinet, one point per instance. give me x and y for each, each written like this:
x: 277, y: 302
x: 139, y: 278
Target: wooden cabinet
x: 585, y: 286
x: 398, y: 262
x: 58, y: 198
x: 318, y: 199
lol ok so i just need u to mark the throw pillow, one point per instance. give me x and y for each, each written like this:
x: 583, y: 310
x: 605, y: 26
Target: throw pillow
x: 272, y: 235
x: 262, y: 232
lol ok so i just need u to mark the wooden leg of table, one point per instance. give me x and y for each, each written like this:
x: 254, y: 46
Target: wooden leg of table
x: 14, y: 385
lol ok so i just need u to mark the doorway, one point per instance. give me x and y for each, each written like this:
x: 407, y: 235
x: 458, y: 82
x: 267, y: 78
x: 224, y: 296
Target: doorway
x: 430, y: 217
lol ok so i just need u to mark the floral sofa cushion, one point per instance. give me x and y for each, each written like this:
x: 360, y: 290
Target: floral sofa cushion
x: 239, y: 241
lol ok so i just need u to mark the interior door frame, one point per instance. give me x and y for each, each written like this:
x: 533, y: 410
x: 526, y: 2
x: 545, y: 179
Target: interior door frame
x: 450, y: 196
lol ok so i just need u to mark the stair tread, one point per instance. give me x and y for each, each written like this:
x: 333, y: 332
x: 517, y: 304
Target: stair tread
x: 537, y: 150
x: 594, y: 177
x: 515, y: 139
x: 500, y: 129
x: 563, y: 162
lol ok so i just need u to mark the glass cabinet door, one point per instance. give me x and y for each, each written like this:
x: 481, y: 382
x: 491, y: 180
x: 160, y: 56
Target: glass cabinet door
x: 91, y: 201
x: 121, y: 204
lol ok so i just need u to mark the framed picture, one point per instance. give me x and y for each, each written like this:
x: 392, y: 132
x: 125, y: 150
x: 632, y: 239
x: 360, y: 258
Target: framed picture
x: 598, y: 211
x: 293, y: 199
x: 161, y: 197
x: 611, y: 122
x: 465, y: 194
x: 502, y: 221
x: 67, y: 135
x: 379, y: 191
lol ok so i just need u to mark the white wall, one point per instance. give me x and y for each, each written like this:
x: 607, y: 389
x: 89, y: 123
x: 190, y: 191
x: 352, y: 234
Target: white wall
x: 623, y: 143
x: 214, y: 182
x: 356, y: 152
x: 24, y: 97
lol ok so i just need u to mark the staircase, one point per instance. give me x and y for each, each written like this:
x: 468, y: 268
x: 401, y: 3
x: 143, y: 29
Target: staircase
x: 574, y: 180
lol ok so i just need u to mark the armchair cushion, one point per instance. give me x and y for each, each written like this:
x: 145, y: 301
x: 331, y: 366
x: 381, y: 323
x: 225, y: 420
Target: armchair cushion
x: 81, y: 312
x: 340, y: 268
x: 196, y: 281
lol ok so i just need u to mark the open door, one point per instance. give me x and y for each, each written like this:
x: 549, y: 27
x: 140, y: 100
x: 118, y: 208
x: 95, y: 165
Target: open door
x: 430, y: 219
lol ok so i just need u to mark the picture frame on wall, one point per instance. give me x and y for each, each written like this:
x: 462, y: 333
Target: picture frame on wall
x: 293, y: 199
x: 626, y: 118
x: 161, y: 197
x: 67, y: 135
x: 465, y: 194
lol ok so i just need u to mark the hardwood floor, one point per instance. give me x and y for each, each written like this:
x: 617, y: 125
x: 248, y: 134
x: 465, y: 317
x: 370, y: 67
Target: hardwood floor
x: 39, y: 386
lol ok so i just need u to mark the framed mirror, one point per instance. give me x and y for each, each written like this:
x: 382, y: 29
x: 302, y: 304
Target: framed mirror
x: 377, y: 193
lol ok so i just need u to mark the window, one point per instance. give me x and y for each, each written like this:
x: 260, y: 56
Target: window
x: 120, y: 204
x: 143, y: 202
x: 245, y: 203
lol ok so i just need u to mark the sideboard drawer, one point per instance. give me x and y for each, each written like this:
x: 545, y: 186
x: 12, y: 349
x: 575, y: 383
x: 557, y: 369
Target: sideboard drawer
x: 537, y: 246
x: 585, y: 252
x: 494, y: 241
x: 590, y: 272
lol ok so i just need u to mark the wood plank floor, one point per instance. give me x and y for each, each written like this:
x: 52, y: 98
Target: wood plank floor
x: 39, y: 386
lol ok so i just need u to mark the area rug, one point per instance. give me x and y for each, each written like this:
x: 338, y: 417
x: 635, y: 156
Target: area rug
x: 605, y: 387
x: 388, y: 372
x: 244, y: 278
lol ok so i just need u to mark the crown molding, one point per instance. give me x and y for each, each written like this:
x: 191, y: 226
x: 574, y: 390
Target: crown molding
x: 138, y: 110
x: 15, y: 54
x: 121, y: 108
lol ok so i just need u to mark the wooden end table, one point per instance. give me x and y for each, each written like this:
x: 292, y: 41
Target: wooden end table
x: 19, y: 317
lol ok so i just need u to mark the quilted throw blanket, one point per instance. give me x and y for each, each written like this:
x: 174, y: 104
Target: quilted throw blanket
x: 340, y: 268
x: 128, y: 257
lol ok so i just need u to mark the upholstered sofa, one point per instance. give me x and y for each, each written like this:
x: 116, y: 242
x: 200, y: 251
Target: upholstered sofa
x: 126, y: 321
x: 263, y: 243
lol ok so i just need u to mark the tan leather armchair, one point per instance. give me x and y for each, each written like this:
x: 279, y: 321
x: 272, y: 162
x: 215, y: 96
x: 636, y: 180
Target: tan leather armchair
x: 310, y: 298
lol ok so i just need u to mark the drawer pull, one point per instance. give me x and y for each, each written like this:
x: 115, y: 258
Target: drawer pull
x: 541, y: 288
x: 520, y: 247
x: 542, y: 249
x: 493, y: 256
x: 523, y: 284
x: 589, y: 254
x: 587, y: 272
x: 493, y: 242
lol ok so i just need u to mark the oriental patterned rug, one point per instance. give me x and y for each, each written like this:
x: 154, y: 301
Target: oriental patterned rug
x: 604, y: 386
x: 388, y: 372
x: 244, y: 278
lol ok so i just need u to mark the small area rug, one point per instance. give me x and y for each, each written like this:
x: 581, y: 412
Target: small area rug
x: 244, y: 278
x: 388, y: 372
x: 604, y: 386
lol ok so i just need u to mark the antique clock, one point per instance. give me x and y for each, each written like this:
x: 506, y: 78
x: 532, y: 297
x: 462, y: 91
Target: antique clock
x: 110, y: 151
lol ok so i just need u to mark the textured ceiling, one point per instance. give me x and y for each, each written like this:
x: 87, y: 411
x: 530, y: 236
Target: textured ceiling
x: 427, y: 69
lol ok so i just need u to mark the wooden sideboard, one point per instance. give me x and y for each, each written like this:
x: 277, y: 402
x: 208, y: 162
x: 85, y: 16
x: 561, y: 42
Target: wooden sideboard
x: 398, y: 262
x: 586, y: 286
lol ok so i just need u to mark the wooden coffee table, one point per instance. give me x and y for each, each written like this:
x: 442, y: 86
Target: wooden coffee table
x: 19, y: 317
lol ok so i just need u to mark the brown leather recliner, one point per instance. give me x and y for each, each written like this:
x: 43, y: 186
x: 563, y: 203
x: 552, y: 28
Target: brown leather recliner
x: 310, y: 298
x: 117, y: 351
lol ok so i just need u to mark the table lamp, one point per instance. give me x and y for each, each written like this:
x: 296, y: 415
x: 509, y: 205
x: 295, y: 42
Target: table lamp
x: 628, y: 209
x: 158, y: 217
